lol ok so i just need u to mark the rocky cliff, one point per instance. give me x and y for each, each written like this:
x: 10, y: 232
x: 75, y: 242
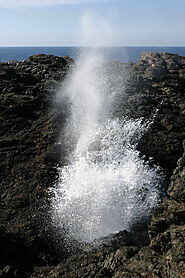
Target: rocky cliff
x: 154, y: 88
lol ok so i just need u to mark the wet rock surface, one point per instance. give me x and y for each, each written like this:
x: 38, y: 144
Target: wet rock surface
x: 154, y: 89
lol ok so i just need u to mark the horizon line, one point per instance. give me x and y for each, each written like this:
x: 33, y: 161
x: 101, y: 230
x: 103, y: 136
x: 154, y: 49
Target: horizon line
x: 92, y: 46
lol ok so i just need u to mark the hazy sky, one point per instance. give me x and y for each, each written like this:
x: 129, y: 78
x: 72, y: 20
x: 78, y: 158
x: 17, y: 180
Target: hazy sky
x: 77, y: 22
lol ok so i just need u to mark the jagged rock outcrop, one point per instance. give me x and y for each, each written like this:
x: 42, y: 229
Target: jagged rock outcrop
x: 154, y: 88
x: 28, y: 155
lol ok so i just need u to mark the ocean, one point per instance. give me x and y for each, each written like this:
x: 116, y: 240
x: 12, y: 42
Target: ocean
x: 123, y: 54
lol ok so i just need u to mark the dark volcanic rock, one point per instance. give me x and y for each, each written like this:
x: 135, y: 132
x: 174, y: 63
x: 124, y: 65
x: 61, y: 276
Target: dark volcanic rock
x: 154, y: 89
x: 167, y: 230
x: 28, y: 155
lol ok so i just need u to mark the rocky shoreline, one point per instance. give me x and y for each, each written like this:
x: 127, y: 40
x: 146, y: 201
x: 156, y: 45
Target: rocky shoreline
x: 29, y: 154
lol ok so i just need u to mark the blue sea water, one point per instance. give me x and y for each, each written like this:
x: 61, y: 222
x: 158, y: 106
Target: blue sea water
x: 124, y: 54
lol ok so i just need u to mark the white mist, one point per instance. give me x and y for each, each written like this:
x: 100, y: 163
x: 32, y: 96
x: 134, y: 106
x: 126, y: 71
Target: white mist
x: 106, y: 185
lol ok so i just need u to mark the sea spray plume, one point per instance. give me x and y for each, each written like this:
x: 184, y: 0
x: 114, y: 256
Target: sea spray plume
x: 82, y: 92
x: 105, y: 186
x: 96, y: 32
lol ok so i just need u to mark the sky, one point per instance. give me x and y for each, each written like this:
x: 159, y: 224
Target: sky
x: 92, y: 22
